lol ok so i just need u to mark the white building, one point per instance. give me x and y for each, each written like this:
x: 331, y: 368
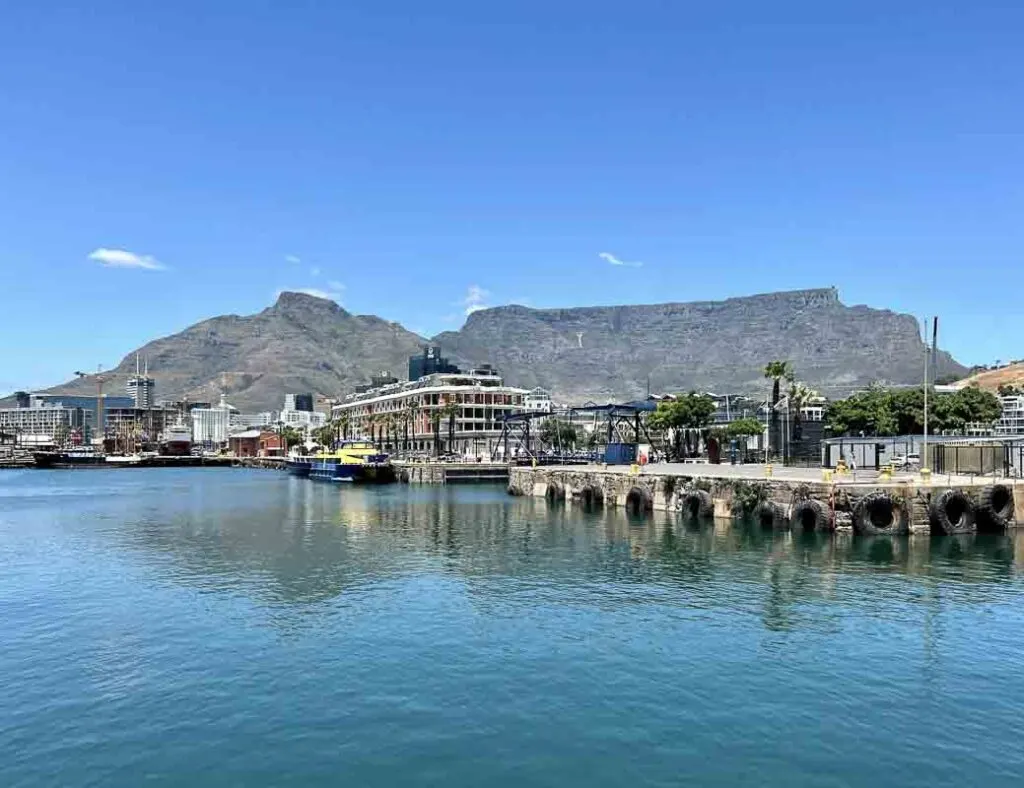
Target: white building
x: 212, y: 425
x: 303, y: 419
x: 251, y: 420
x: 40, y: 426
x: 1012, y: 421
x: 538, y: 400
x: 411, y: 414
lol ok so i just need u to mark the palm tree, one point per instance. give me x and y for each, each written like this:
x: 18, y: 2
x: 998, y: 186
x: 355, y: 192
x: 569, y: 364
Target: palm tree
x: 449, y: 411
x: 800, y: 396
x: 412, y: 411
x: 435, y: 420
x: 777, y: 371
x: 370, y: 423
x: 344, y: 422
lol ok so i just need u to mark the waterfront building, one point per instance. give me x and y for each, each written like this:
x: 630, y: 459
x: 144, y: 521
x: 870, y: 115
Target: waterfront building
x: 410, y: 413
x: 87, y: 404
x: 430, y: 362
x: 212, y: 425
x: 46, y: 425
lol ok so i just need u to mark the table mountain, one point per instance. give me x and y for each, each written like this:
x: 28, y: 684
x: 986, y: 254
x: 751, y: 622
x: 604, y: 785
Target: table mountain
x: 304, y: 343
x: 608, y: 353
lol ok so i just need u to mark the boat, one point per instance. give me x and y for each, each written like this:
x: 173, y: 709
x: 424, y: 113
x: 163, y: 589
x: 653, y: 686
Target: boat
x: 124, y: 460
x: 298, y: 466
x: 176, y: 440
x: 84, y: 457
x: 352, y: 461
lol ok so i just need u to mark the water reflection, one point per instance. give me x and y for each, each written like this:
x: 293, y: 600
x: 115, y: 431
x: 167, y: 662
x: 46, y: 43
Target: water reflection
x: 297, y: 543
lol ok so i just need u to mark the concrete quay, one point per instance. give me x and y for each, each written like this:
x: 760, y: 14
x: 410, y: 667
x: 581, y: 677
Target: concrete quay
x: 451, y: 472
x: 864, y: 502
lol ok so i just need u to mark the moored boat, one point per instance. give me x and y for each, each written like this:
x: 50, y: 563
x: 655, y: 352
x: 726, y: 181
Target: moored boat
x: 353, y: 461
x: 75, y: 458
x: 298, y: 466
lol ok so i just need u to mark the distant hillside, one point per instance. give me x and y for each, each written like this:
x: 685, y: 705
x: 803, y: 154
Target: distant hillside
x: 608, y: 353
x: 303, y: 343
x: 992, y: 379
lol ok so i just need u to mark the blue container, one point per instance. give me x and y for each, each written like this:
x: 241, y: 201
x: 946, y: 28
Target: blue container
x: 620, y: 453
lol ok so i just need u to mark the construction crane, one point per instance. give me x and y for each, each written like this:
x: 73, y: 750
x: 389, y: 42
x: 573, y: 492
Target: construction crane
x: 101, y: 380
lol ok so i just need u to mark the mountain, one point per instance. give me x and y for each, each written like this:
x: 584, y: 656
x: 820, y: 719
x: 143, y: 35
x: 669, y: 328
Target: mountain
x: 304, y: 343
x: 608, y: 353
x: 1011, y: 375
x: 301, y: 343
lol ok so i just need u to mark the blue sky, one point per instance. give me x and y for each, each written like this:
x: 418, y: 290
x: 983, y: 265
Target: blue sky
x: 417, y: 159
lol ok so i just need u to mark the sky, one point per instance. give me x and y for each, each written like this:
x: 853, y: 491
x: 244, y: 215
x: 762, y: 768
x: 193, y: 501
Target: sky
x: 161, y: 163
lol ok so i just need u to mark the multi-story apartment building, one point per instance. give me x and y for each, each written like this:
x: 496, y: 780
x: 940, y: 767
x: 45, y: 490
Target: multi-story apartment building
x: 43, y: 425
x: 1011, y: 423
x: 538, y: 400
x: 414, y: 409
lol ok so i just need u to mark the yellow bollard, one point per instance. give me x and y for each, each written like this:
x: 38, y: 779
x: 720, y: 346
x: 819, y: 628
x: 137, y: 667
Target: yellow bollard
x: 926, y: 475
x: 634, y: 469
x: 768, y: 469
x: 826, y: 475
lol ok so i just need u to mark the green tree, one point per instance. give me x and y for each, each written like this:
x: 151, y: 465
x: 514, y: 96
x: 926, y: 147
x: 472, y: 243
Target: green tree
x: 291, y: 437
x: 744, y: 428
x: 800, y: 396
x: 560, y: 434
x: 683, y: 415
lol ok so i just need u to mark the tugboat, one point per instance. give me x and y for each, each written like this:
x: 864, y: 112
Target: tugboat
x: 353, y: 461
x: 298, y: 465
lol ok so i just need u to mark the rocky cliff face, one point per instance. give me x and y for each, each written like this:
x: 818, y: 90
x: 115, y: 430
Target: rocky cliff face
x: 299, y: 344
x: 303, y: 343
x: 608, y: 353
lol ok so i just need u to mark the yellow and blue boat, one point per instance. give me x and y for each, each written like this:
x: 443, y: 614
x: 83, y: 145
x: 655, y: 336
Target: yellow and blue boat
x: 352, y: 461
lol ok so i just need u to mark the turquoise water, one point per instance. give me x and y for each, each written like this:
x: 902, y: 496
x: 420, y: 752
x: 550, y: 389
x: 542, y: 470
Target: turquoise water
x: 224, y: 627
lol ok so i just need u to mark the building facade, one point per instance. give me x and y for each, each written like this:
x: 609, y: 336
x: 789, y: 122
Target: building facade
x: 538, y: 401
x: 414, y: 415
x: 141, y: 389
x: 41, y: 426
x: 1011, y: 423
x: 212, y: 426
x: 430, y: 362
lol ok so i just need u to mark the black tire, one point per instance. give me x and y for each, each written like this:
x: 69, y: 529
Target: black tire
x: 769, y: 514
x: 995, y: 508
x: 809, y: 515
x: 880, y: 513
x: 698, y: 504
x: 639, y: 501
x: 554, y: 492
x: 952, y: 512
x: 591, y: 497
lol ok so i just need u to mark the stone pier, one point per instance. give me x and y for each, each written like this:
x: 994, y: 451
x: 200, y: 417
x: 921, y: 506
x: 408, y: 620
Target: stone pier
x: 781, y: 497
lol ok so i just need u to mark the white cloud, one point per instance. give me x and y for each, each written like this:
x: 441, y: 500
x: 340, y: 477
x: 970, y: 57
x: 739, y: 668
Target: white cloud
x: 475, y: 299
x: 121, y: 258
x: 315, y: 271
x: 613, y: 260
x: 334, y: 284
x: 290, y: 258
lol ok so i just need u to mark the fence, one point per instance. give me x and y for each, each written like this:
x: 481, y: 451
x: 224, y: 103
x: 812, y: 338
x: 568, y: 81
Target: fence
x: 997, y: 459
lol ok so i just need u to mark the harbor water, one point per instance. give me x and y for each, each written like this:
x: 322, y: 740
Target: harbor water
x: 220, y: 627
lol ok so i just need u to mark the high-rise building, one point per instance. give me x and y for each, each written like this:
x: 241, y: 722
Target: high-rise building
x: 140, y: 389
x: 304, y: 402
x: 430, y: 362
x: 141, y: 386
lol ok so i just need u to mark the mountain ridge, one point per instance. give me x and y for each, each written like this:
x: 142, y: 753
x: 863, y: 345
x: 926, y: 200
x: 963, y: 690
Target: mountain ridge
x: 306, y: 343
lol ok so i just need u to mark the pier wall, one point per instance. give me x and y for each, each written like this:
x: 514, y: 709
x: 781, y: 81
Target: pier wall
x: 735, y: 496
